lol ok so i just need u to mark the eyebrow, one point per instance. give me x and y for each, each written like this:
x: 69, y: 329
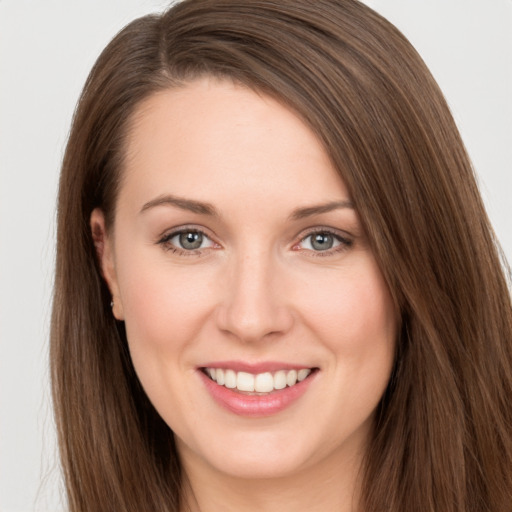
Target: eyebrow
x: 180, y: 202
x: 301, y: 213
x: 203, y: 208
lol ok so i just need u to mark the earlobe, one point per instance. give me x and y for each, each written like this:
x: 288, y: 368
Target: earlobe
x: 105, y: 255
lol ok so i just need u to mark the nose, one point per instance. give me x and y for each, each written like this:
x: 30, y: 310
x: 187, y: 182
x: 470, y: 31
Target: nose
x: 254, y: 304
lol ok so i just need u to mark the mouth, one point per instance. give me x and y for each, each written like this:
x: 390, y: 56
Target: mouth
x: 259, y: 384
x: 256, y: 390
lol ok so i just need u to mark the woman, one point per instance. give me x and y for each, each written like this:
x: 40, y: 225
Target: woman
x: 276, y: 286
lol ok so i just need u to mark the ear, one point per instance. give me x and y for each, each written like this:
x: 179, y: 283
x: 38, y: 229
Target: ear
x: 103, y: 244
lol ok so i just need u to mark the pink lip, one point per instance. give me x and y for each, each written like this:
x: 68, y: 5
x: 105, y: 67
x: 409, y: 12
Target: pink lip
x: 255, y: 405
x: 254, y: 368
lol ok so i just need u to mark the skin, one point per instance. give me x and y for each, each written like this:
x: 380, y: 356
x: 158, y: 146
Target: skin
x: 257, y: 290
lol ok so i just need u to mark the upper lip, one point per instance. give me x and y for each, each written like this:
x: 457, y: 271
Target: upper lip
x: 255, y: 368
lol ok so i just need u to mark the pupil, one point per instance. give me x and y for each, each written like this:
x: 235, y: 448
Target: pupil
x: 322, y: 241
x: 191, y: 240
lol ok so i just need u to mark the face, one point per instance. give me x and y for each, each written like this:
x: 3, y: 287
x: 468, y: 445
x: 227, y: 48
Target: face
x: 257, y: 318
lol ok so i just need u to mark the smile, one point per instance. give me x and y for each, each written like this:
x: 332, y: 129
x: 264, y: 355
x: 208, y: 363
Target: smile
x: 257, y: 383
x: 257, y: 393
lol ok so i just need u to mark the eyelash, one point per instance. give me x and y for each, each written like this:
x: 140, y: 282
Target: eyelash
x: 165, y: 242
x: 344, y: 242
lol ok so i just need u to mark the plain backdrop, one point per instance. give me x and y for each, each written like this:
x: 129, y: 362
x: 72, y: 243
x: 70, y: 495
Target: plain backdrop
x: 46, y: 50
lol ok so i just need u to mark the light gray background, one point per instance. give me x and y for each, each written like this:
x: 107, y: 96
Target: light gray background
x: 46, y: 51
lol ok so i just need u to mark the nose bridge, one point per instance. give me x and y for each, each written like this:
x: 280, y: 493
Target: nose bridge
x: 253, y: 307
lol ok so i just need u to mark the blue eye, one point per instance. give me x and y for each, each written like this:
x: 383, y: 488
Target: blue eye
x: 190, y: 240
x: 324, y: 241
x: 186, y: 240
x: 321, y: 241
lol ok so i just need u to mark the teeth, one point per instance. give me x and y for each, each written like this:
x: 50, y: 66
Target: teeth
x: 291, y: 377
x: 260, y: 383
x: 244, y: 381
x: 264, y: 383
x: 302, y: 374
x: 230, y: 379
x: 280, y: 380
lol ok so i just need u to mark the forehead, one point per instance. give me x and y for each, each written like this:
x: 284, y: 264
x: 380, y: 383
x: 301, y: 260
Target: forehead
x: 215, y: 138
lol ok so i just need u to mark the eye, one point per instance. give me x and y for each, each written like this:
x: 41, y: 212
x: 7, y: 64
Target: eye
x: 319, y: 241
x: 189, y: 240
x: 323, y: 241
x: 186, y: 241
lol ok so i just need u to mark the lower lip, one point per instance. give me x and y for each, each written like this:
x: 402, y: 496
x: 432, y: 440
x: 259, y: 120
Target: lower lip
x: 256, y: 405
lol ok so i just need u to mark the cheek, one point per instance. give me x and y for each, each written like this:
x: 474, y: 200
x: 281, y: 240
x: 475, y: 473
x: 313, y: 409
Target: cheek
x: 163, y: 306
x: 355, y: 319
x: 164, y: 309
x: 354, y: 311
x: 357, y: 325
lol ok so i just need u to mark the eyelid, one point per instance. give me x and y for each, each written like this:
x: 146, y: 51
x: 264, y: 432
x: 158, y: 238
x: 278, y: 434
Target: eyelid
x: 346, y: 240
x: 165, y: 238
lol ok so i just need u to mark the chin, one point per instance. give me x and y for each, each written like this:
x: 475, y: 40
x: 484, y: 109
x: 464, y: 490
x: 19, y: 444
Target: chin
x: 254, y: 466
x: 258, y: 455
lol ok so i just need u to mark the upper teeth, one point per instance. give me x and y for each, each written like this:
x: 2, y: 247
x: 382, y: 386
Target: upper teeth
x: 260, y: 383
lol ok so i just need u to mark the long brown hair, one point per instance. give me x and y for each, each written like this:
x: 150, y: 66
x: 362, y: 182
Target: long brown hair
x: 443, y: 430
